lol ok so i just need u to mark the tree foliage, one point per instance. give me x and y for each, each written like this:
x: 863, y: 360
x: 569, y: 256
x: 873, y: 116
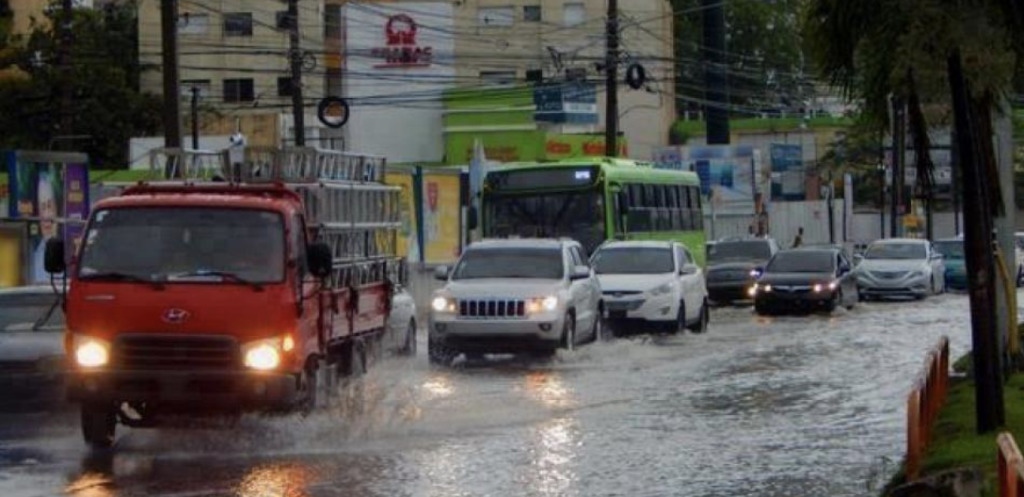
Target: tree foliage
x: 107, y: 104
x: 766, y: 66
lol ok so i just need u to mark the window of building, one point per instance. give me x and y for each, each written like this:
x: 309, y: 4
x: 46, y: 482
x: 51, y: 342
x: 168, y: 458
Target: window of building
x: 531, y: 13
x: 498, y: 77
x: 238, y: 90
x: 284, y: 87
x: 193, y: 24
x: 332, y: 22
x: 575, y: 13
x: 238, y: 24
x: 202, y: 84
x: 497, y: 16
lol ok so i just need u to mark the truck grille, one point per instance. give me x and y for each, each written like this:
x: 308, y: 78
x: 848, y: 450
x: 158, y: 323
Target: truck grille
x: 172, y: 352
x: 492, y: 309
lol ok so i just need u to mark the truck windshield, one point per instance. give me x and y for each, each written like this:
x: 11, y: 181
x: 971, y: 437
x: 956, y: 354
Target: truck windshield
x: 184, y: 245
x: 634, y: 260
x: 575, y: 215
x: 535, y: 263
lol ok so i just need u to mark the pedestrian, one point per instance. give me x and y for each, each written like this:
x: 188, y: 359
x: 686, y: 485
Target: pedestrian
x: 799, y: 240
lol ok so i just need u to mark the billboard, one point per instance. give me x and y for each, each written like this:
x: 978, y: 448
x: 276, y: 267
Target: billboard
x: 49, y: 191
x: 788, y: 175
x: 442, y: 214
x: 566, y: 103
x: 398, y: 61
x: 732, y: 176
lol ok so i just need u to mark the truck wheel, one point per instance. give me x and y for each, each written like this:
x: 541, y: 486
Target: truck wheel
x: 440, y: 355
x: 99, y: 424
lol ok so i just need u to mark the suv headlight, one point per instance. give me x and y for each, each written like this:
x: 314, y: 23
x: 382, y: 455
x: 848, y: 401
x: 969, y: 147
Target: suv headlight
x: 265, y: 355
x: 545, y: 304
x: 442, y: 304
x: 661, y: 289
x: 91, y: 352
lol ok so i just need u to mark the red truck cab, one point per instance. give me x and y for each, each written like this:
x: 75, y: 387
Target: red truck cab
x: 207, y: 299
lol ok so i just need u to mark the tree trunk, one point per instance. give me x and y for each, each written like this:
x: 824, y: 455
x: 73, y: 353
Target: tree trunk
x: 978, y: 247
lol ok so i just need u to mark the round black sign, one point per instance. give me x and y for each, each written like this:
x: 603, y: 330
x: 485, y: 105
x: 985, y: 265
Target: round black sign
x: 333, y: 112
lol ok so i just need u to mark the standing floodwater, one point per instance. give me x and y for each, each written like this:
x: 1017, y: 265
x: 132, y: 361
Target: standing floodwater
x: 810, y: 405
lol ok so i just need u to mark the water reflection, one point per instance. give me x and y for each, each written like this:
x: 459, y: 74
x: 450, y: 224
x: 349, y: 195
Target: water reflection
x: 554, y: 457
x: 275, y: 480
x: 439, y: 386
x: 549, y: 389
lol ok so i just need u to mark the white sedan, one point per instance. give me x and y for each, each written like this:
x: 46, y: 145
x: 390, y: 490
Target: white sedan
x: 656, y: 282
x: 900, y: 267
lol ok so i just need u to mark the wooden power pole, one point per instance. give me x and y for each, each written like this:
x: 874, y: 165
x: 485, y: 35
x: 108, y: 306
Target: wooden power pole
x: 611, y: 118
x: 295, y: 55
x: 172, y: 92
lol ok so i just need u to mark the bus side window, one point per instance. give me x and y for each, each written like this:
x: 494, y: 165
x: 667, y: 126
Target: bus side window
x: 696, y: 208
x: 684, y: 208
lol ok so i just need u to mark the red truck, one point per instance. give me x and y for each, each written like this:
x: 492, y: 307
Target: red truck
x: 253, y: 292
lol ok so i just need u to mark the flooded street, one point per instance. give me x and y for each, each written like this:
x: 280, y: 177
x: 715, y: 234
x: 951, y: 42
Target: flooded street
x: 804, y: 405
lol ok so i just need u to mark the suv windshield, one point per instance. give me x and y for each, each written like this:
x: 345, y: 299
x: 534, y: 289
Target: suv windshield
x: 634, y: 260
x: 169, y: 245
x: 802, y: 262
x: 538, y: 263
x: 950, y: 250
x: 748, y: 250
x: 897, y: 251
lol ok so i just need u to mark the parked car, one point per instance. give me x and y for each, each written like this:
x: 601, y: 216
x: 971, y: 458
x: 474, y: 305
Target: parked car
x: 655, y: 282
x: 733, y: 265
x: 952, y: 251
x: 31, y: 351
x: 900, y: 267
x: 810, y: 278
x: 515, y: 296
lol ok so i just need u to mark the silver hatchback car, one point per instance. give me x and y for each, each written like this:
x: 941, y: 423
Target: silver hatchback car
x: 515, y: 296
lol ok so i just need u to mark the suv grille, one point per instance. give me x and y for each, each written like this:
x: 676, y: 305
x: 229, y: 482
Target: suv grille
x: 492, y: 309
x: 151, y: 352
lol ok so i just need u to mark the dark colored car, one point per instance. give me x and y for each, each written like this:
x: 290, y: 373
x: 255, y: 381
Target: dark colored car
x: 806, y: 279
x: 733, y: 265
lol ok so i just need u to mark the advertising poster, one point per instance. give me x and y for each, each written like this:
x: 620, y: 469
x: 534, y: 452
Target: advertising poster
x: 408, y: 244
x: 729, y: 174
x: 49, y: 192
x: 442, y: 213
x: 788, y: 172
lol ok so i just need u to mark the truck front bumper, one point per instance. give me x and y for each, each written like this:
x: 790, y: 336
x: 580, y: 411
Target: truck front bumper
x: 206, y: 390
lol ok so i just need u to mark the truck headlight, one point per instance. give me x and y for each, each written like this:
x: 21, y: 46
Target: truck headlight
x: 263, y: 355
x: 442, y: 304
x: 662, y: 290
x: 91, y: 352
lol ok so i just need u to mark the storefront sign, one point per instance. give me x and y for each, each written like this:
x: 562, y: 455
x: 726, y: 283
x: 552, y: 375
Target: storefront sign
x: 401, y: 49
x: 566, y: 103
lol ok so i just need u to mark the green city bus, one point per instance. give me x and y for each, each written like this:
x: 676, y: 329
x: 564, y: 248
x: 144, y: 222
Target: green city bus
x: 593, y: 200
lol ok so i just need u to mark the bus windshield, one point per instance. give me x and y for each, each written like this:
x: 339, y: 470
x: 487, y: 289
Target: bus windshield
x: 576, y: 215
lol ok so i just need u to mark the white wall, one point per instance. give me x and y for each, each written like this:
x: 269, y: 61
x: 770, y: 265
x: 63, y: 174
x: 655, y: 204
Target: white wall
x: 139, y: 148
x: 402, y: 131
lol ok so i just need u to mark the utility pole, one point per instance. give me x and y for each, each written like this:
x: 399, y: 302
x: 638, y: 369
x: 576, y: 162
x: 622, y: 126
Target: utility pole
x: 66, y: 72
x: 954, y: 180
x: 716, y: 80
x: 611, y: 117
x: 172, y: 92
x: 899, y: 142
x: 295, y: 54
x: 195, y: 117
x: 978, y: 246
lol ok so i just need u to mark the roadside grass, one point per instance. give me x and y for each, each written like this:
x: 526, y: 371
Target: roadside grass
x: 955, y: 444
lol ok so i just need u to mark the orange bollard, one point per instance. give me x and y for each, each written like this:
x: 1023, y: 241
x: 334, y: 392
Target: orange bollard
x: 913, y: 433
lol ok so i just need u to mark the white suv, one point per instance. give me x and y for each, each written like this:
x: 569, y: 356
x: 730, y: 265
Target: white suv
x: 515, y: 296
x: 657, y: 282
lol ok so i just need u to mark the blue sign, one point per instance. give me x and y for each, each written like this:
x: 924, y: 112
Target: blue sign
x: 788, y: 172
x: 566, y: 103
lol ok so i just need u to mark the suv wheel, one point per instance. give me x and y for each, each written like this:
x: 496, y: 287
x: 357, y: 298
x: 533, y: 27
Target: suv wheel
x: 702, y: 323
x: 569, y: 333
x: 440, y: 354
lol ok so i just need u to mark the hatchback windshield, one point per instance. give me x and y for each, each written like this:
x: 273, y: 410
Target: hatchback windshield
x: 897, y: 251
x: 739, y: 251
x: 168, y: 245
x: 802, y: 262
x: 950, y: 250
x: 634, y: 260
x: 510, y: 263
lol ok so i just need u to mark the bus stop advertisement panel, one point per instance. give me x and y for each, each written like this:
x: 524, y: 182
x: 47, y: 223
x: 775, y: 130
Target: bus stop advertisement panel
x: 49, y: 191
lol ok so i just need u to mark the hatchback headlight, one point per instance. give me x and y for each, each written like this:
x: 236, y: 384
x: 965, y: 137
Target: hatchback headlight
x: 265, y: 355
x: 91, y: 352
x: 662, y: 290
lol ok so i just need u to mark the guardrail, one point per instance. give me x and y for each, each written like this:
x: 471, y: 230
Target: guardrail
x: 924, y: 403
x: 1011, y: 467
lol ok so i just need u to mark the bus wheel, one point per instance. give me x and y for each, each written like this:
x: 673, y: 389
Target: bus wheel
x: 99, y: 424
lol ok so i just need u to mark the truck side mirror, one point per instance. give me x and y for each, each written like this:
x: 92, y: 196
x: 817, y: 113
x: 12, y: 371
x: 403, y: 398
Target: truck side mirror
x: 320, y: 259
x: 53, y: 260
x: 472, y: 218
